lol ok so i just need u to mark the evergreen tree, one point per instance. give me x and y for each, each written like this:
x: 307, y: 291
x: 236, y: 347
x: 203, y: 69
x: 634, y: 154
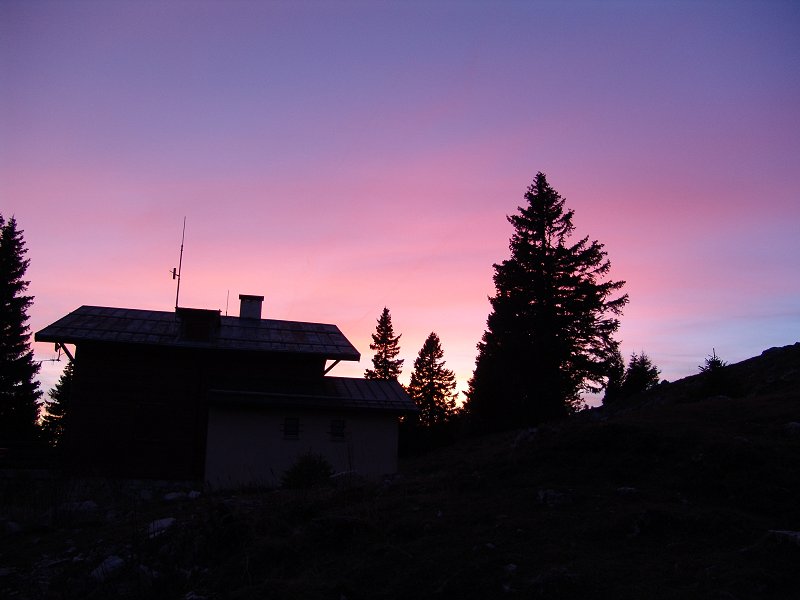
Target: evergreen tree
x: 615, y: 378
x: 641, y: 375
x: 56, y: 408
x: 19, y: 391
x: 714, y: 376
x: 713, y: 363
x: 550, y: 334
x: 385, y: 343
x: 432, y: 386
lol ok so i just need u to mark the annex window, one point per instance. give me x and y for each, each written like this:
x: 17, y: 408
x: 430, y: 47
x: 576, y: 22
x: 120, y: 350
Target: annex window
x: 291, y: 428
x: 337, y: 430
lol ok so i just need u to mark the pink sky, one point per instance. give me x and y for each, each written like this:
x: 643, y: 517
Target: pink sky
x: 339, y: 157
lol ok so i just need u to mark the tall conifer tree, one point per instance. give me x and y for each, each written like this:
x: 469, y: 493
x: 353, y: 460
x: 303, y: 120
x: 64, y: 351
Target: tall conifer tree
x: 432, y: 386
x: 386, y: 345
x: 19, y: 390
x: 550, y: 334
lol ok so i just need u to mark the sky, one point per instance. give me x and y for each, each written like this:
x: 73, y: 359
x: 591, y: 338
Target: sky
x: 339, y: 157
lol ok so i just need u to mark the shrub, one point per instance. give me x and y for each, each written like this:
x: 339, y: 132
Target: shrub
x: 309, y: 470
x: 715, y: 376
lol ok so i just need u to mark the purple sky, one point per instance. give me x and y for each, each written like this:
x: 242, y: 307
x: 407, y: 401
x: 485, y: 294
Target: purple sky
x: 339, y: 157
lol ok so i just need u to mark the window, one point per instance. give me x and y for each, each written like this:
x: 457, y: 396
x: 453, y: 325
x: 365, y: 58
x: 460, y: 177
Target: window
x: 291, y: 428
x: 337, y: 430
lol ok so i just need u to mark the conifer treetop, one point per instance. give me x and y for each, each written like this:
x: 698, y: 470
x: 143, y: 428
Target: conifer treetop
x: 432, y: 385
x: 386, y: 345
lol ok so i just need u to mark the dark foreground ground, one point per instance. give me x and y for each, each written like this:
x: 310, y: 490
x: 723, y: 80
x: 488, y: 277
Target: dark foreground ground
x: 677, y: 495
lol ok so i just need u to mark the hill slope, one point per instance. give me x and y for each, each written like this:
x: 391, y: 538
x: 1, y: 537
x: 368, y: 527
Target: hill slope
x: 672, y: 496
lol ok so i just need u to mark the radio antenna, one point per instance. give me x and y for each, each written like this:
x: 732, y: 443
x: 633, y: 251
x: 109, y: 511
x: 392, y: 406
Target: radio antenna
x: 176, y: 273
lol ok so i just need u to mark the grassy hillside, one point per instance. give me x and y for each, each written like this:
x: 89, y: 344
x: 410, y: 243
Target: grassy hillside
x: 674, y: 495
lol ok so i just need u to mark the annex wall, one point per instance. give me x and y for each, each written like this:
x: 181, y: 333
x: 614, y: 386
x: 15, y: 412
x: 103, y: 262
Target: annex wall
x: 251, y: 446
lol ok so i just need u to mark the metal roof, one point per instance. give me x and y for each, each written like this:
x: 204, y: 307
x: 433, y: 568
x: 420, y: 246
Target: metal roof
x: 161, y: 328
x: 327, y: 392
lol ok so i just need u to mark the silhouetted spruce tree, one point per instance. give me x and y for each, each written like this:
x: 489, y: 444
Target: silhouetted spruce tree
x: 432, y: 386
x: 615, y: 378
x: 641, y: 375
x: 550, y: 334
x: 385, y: 343
x: 19, y: 391
x: 713, y: 363
x: 714, y: 376
x: 56, y: 407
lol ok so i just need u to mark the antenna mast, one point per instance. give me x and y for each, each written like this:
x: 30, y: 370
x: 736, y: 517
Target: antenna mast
x: 176, y: 273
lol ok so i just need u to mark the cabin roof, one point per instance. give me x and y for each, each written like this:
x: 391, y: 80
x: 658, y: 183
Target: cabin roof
x: 341, y: 393
x: 162, y: 328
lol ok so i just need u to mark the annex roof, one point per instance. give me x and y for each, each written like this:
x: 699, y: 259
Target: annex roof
x: 162, y: 328
x: 344, y: 393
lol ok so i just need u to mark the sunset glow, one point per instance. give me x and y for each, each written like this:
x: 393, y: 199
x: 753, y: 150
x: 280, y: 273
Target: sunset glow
x: 339, y: 157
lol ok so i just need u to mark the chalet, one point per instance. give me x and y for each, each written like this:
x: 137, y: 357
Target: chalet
x: 231, y: 401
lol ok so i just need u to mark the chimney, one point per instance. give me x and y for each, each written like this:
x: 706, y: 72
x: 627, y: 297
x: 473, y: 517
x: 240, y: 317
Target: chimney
x: 198, y: 324
x: 250, y: 307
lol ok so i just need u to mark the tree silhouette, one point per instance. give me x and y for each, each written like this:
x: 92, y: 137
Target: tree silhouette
x: 385, y: 343
x: 641, y: 375
x: 615, y: 378
x: 550, y: 334
x: 56, y: 408
x: 714, y: 376
x: 713, y: 363
x: 19, y: 391
x: 432, y: 386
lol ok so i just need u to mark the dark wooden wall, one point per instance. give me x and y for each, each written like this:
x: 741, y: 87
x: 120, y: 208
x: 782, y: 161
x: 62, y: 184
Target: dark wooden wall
x: 141, y: 411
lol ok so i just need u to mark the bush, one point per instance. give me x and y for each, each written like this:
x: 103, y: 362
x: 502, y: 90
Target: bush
x: 715, y: 376
x: 309, y: 470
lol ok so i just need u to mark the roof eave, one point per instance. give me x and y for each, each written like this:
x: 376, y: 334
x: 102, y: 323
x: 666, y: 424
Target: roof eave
x: 44, y: 336
x: 309, y: 402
